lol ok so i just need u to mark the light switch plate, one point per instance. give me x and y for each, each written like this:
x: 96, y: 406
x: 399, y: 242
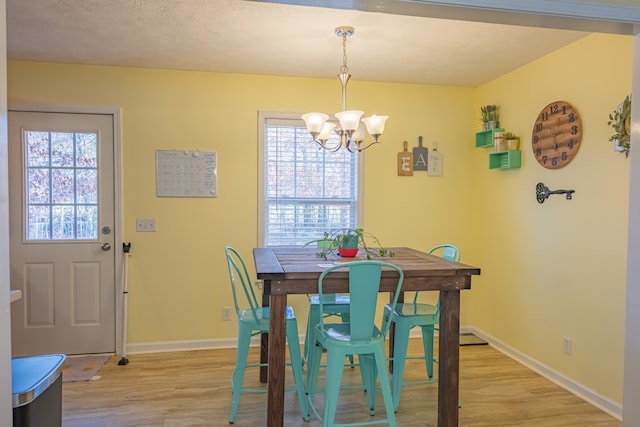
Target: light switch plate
x: 145, y: 224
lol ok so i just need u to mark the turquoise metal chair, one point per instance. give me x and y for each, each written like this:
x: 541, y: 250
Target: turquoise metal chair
x: 407, y: 316
x: 333, y: 305
x: 254, y: 321
x: 360, y: 336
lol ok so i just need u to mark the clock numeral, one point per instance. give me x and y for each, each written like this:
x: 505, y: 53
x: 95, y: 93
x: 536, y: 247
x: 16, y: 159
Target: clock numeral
x: 535, y: 139
x: 538, y: 127
x: 538, y: 151
x: 570, y: 144
x: 554, y: 161
x: 544, y: 159
x: 564, y: 110
x: 574, y: 130
x: 544, y: 116
x: 572, y: 117
x: 553, y: 109
x: 564, y: 156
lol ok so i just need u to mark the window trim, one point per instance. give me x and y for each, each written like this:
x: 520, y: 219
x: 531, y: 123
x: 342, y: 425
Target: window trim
x: 263, y: 116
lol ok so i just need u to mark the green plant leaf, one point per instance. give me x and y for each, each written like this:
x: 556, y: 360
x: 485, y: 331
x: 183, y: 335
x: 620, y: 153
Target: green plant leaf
x: 617, y: 120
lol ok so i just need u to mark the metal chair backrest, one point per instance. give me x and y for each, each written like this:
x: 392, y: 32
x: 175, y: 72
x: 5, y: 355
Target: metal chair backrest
x: 364, y: 286
x: 238, y: 273
x: 448, y: 252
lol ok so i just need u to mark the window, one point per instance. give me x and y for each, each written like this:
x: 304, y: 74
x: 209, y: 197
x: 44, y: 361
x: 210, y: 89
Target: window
x: 61, y: 181
x: 304, y: 190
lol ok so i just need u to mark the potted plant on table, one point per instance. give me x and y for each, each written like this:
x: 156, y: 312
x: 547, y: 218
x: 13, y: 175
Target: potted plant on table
x: 347, y: 242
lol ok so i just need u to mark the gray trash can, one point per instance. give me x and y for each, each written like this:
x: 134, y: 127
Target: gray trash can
x: 36, y: 387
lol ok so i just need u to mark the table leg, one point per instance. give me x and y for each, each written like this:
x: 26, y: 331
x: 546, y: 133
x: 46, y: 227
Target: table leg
x: 264, y: 338
x: 449, y: 362
x: 277, y: 343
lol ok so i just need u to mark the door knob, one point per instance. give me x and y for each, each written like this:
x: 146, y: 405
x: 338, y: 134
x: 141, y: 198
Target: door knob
x: 105, y: 247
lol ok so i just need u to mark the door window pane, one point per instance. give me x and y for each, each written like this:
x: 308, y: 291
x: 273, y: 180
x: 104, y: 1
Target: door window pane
x: 61, y: 149
x: 37, y: 186
x: 62, y: 222
x: 39, y: 220
x: 37, y: 149
x: 87, y: 154
x: 62, y: 186
x: 61, y: 182
x: 87, y: 186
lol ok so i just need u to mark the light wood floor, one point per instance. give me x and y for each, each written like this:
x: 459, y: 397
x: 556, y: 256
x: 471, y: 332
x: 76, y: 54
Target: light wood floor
x: 193, y: 388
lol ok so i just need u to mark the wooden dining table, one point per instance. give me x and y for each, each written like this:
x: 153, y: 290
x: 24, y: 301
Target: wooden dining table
x: 289, y: 271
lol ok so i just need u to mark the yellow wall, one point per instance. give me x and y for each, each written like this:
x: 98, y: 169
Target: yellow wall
x: 178, y: 277
x: 548, y: 271
x: 557, y: 269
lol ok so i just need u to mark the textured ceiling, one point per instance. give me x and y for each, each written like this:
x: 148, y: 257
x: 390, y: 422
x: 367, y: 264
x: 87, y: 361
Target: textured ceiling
x: 275, y: 39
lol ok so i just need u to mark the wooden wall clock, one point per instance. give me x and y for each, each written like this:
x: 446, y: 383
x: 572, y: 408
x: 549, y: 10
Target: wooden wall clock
x: 556, y: 135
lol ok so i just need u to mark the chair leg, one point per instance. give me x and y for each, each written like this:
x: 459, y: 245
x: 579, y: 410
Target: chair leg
x: 427, y: 343
x: 385, y: 386
x: 400, y: 343
x: 335, y: 366
x: 244, y: 339
x: 313, y: 367
x: 368, y: 371
x: 296, y: 365
x: 310, y: 335
x: 309, y: 339
x: 346, y: 317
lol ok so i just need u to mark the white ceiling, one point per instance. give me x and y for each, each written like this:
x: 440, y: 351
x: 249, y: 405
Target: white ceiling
x: 275, y: 39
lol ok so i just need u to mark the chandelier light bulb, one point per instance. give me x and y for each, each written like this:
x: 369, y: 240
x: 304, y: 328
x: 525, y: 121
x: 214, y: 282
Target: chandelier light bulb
x: 349, y: 120
x: 315, y: 122
x: 325, y: 134
x: 375, y: 124
x: 359, y: 134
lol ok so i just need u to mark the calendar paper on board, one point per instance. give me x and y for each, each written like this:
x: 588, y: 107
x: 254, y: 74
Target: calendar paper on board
x: 182, y: 173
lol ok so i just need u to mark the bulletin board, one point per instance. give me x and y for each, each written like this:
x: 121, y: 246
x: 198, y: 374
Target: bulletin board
x: 181, y: 173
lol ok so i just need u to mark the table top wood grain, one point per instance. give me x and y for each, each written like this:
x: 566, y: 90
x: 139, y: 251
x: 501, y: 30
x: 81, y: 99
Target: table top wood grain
x: 296, y: 270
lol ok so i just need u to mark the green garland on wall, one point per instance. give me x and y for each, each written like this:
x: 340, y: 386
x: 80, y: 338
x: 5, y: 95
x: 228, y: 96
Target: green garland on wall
x: 620, y: 121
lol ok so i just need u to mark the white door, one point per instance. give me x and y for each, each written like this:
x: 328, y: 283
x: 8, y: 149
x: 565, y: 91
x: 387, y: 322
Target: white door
x: 62, y: 239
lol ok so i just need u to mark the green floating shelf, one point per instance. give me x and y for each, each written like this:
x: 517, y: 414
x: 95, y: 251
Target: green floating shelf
x: 485, y: 138
x: 505, y: 160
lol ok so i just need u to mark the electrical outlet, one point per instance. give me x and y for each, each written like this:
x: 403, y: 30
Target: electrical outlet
x: 145, y: 224
x: 566, y: 345
x: 226, y: 313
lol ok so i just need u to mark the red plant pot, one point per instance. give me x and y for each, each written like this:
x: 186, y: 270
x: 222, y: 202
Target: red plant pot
x: 348, y: 252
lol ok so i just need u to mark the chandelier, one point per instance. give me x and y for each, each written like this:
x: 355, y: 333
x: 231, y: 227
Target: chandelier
x: 350, y: 130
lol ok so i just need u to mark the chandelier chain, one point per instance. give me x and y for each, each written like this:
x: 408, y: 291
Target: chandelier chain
x: 344, y: 69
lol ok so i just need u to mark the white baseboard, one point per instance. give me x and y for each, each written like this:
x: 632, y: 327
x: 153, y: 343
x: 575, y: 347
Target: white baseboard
x: 165, y: 346
x: 610, y: 407
x: 607, y: 405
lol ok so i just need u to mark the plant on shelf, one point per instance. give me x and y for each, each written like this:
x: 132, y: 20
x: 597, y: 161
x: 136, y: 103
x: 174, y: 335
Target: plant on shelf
x: 349, y: 238
x: 489, y: 116
x: 620, y: 121
x: 513, y: 141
